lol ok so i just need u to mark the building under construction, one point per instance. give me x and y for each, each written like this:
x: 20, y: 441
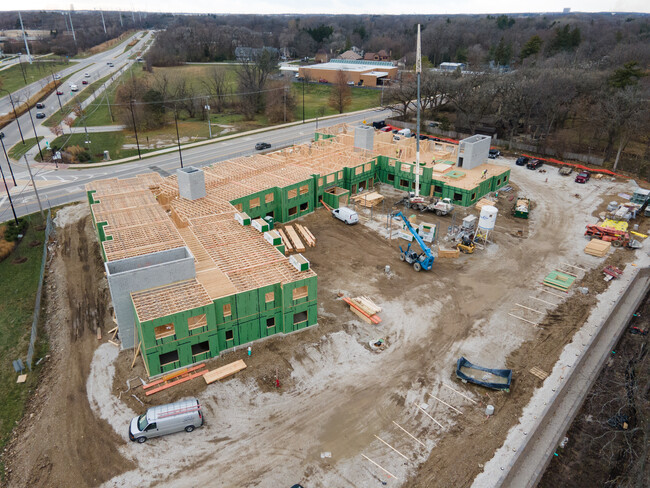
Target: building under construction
x: 194, y: 269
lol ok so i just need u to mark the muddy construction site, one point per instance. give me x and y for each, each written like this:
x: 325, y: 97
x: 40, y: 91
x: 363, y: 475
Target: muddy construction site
x: 345, y: 414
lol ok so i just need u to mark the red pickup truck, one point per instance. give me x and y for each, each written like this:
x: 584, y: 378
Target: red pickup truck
x: 583, y: 177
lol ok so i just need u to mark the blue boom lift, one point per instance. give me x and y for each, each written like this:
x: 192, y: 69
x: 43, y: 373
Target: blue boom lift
x: 423, y: 260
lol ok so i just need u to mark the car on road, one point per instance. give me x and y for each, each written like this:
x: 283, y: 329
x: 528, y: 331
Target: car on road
x: 322, y: 80
x: 40, y: 105
x: 74, y: 88
x: 262, y: 145
x: 86, y: 75
x: 40, y: 115
x: 110, y: 64
x: 57, y: 76
x: 59, y: 92
x: 494, y: 153
x: 522, y: 161
x: 84, y: 82
x: 583, y: 177
x: 534, y: 164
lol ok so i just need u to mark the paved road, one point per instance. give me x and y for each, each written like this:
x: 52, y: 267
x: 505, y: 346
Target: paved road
x: 95, y: 66
x: 57, y: 187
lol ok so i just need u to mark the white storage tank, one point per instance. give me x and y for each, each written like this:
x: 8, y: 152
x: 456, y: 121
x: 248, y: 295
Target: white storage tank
x: 488, y: 217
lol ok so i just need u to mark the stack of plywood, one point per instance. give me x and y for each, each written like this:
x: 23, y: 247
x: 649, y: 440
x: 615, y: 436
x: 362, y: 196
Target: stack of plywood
x: 448, y: 253
x: 598, y: 248
x: 224, y: 371
x: 483, y: 202
x: 370, y: 199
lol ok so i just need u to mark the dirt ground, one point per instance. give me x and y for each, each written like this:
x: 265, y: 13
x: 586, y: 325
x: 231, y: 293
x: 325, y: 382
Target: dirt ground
x: 338, y: 397
x: 600, y: 454
x: 61, y: 442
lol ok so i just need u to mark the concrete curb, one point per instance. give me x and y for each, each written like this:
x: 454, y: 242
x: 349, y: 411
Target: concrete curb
x: 536, y: 453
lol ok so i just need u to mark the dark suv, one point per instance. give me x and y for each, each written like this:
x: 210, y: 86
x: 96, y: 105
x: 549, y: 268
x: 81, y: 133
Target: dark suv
x: 522, y: 161
x: 379, y: 124
x: 262, y: 145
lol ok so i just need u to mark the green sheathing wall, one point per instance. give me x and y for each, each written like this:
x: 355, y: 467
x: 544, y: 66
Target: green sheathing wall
x: 501, y: 180
x: 307, y: 304
x: 181, y: 342
x: 264, y: 208
x: 362, y: 175
x: 322, y: 183
x: 333, y: 200
x: 318, y: 136
x: 91, y: 197
x: 305, y: 200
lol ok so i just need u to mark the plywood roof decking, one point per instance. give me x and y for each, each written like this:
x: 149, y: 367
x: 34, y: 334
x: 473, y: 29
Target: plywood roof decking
x: 473, y: 177
x: 170, y: 299
x: 278, y: 272
x: 131, y: 216
x: 216, y: 283
x: 130, y: 241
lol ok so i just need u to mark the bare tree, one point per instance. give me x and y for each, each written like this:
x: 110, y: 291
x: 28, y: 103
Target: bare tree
x: 341, y: 94
x: 280, y: 103
x: 216, y: 85
x: 253, y: 76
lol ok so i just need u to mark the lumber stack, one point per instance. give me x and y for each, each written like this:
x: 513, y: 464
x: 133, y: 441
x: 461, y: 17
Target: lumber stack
x: 364, y: 308
x: 308, y: 237
x: 370, y: 199
x: 448, y: 253
x: 288, y: 248
x: 483, y: 202
x: 296, y: 242
x: 598, y: 248
x: 559, y: 280
x: 224, y: 371
x: 175, y: 378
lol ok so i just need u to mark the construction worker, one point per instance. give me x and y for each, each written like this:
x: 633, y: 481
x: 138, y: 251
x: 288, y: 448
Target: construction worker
x: 484, y: 175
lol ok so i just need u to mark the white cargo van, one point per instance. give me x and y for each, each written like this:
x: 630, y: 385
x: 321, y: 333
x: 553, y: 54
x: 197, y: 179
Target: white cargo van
x: 74, y: 88
x: 166, y: 419
x: 405, y: 132
x: 346, y: 214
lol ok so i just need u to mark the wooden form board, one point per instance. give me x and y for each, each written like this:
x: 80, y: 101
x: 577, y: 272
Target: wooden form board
x: 295, y: 240
x: 224, y: 371
x: 542, y: 375
x: 374, y: 318
x: 366, y: 305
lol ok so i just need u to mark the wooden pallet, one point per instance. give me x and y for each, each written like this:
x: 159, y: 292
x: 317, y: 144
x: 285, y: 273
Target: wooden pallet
x: 178, y: 377
x: 224, y: 371
x: 542, y: 375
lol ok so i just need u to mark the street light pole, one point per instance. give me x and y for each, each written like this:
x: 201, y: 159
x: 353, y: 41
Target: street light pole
x: 303, y: 100
x: 2, y: 137
x: 11, y: 202
x: 13, y: 107
x: 56, y: 90
x: 35, y: 134
x: 178, y: 139
x: 135, y: 129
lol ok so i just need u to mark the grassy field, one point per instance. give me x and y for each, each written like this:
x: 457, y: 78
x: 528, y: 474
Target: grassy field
x: 317, y: 100
x: 18, y: 285
x: 103, y: 141
x: 17, y: 151
x: 57, y: 117
x: 12, y: 78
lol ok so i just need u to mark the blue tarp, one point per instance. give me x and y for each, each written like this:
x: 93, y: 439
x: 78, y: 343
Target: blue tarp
x: 497, y: 379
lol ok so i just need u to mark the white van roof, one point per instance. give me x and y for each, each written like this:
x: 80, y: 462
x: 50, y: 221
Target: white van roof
x: 171, y: 409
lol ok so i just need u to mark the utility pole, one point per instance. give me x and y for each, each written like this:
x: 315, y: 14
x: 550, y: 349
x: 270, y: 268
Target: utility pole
x: 135, y: 129
x: 303, y: 100
x: 67, y: 29
x: 178, y: 139
x: 22, y: 68
x: 2, y: 136
x: 74, y: 37
x: 13, y: 107
x: 35, y: 134
x: 133, y: 16
x: 56, y: 90
x: 103, y: 23
x: 11, y: 202
x: 38, y: 199
x: 29, y: 56
x: 207, y: 107
x: 121, y: 21
x: 108, y: 104
x: 418, y: 70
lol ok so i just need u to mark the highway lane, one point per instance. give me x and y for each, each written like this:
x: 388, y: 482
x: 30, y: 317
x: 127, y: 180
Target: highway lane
x: 96, y: 66
x: 90, y: 64
x: 65, y: 186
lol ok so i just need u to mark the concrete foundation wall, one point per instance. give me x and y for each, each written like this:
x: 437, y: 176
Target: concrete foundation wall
x: 140, y: 273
